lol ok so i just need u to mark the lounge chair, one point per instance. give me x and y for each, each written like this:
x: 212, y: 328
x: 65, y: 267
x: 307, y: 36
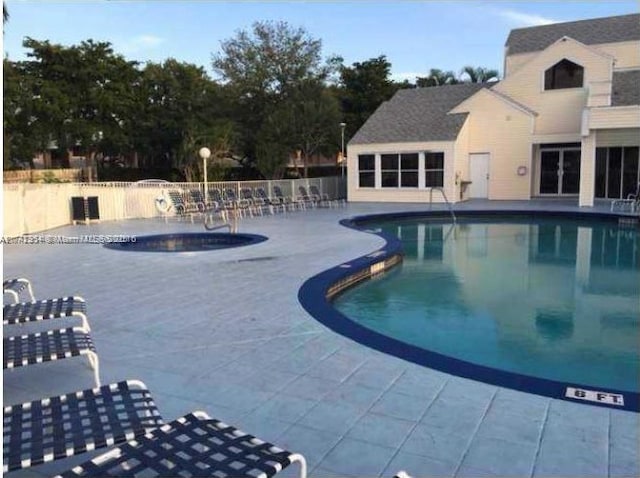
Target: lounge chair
x: 240, y: 206
x: 193, y: 445
x: 632, y: 202
x: 49, y: 346
x: 54, y: 428
x: 197, y: 199
x: 287, y: 201
x: 24, y: 312
x: 177, y: 202
x: 15, y: 288
x: 306, y: 198
x: 254, y: 204
x: 274, y: 204
x: 323, y: 198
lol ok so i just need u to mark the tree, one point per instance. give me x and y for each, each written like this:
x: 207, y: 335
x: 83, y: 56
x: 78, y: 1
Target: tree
x: 180, y: 110
x: 479, y: 74
x: 364, y: 86
x: 69, y: 97
x: 273, y: 143
x: 315, y: 114
x: 262, y: 68
x: 437, y: 77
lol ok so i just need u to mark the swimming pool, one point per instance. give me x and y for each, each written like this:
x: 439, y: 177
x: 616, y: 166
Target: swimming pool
x: 543, y: 304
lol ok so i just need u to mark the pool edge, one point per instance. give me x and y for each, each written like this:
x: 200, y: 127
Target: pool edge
x: 316, y: 292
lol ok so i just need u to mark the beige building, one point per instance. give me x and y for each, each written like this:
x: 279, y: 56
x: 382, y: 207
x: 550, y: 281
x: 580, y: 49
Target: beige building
x: 564, y: 122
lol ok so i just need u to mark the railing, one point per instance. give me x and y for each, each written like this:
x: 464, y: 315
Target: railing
x: 31, y: 208
x: 446, y: 200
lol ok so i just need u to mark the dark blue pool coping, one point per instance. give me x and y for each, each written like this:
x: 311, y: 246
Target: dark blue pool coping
x: 229, y: 240
x: 316, y: 293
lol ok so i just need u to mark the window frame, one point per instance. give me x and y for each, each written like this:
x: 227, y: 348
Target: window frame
x: 395, y: 170
x: 367, y: 171
x: 433, y: 170
x: 552, y: 69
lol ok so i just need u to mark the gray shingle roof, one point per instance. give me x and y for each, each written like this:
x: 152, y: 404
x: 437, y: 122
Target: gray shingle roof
x: 589, y: 32
x: 418, y: 114
x: 625, y: 88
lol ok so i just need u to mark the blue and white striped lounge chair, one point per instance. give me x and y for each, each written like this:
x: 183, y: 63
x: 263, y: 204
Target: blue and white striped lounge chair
x: 46, y: 309
x: 53, y: 428
x: 15, y: 288
x: 192, y: 446
x: 49, y: 346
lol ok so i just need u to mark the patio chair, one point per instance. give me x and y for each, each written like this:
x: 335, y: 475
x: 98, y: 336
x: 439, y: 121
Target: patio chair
x: 223, y: 205
x: 49, y: 346
x: 632, y: 202
x: 288, y: 202
x: 192, y: 445
x: 177, y: 202
x: 197, y: 199
x: 274, y: 204
x: 57, y: 427
x: 240, y: 206
x: 254, y: 204
x: 306, y: 198
x: 15, y: 288
x: 323, y: 198
x: 46, y: 309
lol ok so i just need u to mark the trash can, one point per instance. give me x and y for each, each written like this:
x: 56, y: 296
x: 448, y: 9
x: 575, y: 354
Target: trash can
x: 84, y: 209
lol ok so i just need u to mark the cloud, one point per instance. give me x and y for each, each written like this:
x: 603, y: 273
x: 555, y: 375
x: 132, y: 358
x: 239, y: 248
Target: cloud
x: 525, y: 19
x: 140, y: 43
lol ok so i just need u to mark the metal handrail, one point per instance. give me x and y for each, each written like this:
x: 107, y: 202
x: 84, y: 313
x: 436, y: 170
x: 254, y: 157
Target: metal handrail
x: 446, y: 200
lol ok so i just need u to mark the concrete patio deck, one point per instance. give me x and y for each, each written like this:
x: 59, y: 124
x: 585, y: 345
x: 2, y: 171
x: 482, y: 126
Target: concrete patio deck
x: 222, y: 331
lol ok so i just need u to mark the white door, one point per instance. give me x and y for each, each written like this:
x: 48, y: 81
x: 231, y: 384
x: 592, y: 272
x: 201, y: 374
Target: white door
x: 479, y: 175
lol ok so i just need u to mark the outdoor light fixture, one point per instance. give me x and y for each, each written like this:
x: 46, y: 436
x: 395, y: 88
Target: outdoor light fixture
x: 343, y: 157
x: 205, y: 153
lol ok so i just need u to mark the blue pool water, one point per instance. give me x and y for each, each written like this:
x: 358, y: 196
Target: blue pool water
x: 551, y: 298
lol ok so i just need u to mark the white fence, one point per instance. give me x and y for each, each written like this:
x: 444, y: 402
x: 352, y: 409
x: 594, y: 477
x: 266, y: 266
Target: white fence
x: 30, y: 208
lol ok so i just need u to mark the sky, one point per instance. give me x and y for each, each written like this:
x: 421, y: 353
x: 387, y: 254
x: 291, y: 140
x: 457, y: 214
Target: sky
x: 415, y: 36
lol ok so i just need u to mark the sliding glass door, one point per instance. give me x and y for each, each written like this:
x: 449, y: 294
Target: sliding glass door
x: 559, y: 171
x: 617, y: 172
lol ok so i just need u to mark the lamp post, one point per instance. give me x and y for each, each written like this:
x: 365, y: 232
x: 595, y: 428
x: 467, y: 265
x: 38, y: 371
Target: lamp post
x: 342, y: 125
x: 205, y: 153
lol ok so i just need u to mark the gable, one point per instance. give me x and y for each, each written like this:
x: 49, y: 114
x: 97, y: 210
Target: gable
x: 588, y: 32
x: 597, y: 66
x: 484, y: 99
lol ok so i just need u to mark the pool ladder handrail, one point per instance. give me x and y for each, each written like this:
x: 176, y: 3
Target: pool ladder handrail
x: 446, y: 200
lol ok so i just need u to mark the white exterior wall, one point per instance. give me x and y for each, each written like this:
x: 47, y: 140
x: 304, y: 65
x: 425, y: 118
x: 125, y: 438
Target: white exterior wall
x: 587, y: 170
x: 618, y: 137
x: 504, y: 131
x: 615, y: 117
x: 461, y: 162
x: 559, y: 111
x: 420, y: 194
x: 626, y: 54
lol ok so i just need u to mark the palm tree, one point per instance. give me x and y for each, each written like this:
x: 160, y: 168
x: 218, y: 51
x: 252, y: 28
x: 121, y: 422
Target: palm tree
x: 479, y: 74
x: 437, y: 77
x: 5, y: 13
